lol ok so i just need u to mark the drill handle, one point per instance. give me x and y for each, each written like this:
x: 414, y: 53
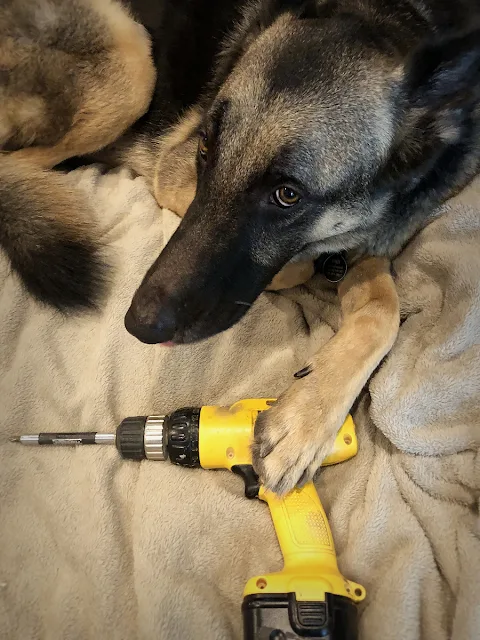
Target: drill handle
x: 310, y: 564
x: 301, y: 525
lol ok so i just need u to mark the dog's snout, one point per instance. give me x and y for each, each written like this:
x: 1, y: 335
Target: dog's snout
x: 156, y: 330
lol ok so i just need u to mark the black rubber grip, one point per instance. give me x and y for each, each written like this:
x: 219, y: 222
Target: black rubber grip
x: 182, y: 434
x: 129, y: 440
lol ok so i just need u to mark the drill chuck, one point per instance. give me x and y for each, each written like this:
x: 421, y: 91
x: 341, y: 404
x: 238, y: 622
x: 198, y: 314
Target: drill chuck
x: 141, y: 437
x: 173, y: 437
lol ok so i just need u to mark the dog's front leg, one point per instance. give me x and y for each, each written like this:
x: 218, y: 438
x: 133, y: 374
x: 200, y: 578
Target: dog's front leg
x: 294, y: 436
x: 292, y: 274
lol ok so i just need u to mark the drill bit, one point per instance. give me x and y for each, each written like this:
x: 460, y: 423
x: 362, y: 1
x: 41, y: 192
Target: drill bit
x: 65, y: 439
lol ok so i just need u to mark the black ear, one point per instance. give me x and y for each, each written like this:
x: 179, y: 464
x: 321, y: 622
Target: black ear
x: 257, y: 16
x: 441, y: 92
x: 445, y: 71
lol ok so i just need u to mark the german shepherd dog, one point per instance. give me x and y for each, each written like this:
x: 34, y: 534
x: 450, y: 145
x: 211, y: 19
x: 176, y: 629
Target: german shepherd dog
x: 278, y: 129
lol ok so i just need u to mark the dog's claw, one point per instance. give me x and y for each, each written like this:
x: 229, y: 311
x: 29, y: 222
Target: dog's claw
x: 304, y: 478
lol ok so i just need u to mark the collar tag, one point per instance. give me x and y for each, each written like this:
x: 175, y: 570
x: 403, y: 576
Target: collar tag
x: 333, y: 266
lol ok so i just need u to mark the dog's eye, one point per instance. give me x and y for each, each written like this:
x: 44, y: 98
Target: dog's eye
x: 285, y: 197
x: 203, y: 145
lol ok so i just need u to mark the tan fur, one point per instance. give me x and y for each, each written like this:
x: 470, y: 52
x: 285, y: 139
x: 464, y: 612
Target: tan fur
x: 138, y: 154
x: 26, y: 113
x: 51, y: 193
x: 115, y: 91
x: 295, y: 435
x: 175, y: 178
x: 291, y: 275
x: 73, y: 77
x: 49, y: 233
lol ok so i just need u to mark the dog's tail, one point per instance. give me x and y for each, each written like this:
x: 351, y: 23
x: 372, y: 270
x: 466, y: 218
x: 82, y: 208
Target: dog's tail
x: 47, y: 235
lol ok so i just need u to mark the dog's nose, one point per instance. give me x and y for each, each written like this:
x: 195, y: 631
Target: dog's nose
x: 159, y: 331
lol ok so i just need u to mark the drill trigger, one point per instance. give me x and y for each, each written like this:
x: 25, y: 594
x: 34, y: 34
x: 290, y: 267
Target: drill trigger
x: 252, y: 483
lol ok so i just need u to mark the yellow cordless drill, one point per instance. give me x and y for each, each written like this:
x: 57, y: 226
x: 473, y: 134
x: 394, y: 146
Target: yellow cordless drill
x: 309, y: 597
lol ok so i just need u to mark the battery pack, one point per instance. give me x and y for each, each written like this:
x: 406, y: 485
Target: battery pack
x: 280, y: 616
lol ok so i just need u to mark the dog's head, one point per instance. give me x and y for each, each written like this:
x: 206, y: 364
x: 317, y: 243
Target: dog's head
x: 300, y: 150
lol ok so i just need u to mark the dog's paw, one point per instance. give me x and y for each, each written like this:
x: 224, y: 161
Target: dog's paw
x: 295, y: 435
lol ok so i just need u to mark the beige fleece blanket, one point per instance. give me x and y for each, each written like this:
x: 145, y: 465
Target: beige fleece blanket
x: 93, y: 547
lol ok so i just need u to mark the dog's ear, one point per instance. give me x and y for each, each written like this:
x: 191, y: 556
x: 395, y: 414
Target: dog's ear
x: 256, y: 17
x: 445, y: 70
x: 441, y: 87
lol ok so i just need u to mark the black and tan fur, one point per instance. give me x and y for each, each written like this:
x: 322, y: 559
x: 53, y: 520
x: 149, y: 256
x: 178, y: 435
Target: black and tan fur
x: 367, y: 109
x: 64, y: 69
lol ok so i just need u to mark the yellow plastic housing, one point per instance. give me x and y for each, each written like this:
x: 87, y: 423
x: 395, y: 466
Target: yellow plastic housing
x: 226, y: 435
x: 310, y: 564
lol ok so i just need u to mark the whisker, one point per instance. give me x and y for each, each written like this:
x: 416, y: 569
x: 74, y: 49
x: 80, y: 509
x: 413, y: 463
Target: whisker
x: 245, y: 304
